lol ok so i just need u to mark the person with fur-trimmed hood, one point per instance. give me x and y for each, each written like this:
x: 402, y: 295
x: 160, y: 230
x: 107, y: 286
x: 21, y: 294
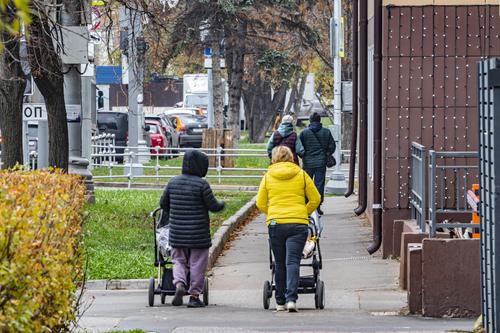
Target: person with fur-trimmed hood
x: 286, y: 136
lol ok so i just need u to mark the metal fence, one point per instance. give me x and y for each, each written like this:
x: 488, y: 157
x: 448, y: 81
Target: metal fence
x: 450, y: 178
x: 440, y: 181
x: 103, y: 147
x: 107, y: 156
x: 489, y: 125
x: 418, y: 202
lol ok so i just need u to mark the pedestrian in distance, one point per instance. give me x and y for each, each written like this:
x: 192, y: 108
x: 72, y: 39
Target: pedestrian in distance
x: 318, y: 144
x: 287, y: 195
x: 286, y: 136
x: 187, y: 200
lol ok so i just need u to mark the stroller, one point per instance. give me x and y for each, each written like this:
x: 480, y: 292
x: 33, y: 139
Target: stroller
x: 164, y: 285
x: 309, y: 284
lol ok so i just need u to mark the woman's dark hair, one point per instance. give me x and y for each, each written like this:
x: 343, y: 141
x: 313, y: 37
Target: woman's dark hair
x: 315, y: 117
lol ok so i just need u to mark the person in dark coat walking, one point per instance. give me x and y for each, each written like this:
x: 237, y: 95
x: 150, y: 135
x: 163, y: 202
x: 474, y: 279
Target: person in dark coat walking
x: 187, y: 199
x: 286, y: 136
x: 318, y: 143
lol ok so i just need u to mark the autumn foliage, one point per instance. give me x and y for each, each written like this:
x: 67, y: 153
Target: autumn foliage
x: 41, y: 216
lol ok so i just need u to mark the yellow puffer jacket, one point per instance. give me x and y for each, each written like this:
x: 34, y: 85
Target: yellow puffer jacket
x: 282, y: 194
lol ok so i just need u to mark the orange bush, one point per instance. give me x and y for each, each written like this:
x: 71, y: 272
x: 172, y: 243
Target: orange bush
x: 41, y: 217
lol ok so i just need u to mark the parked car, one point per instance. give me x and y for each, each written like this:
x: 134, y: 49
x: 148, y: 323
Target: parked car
x: 157, y: 136
x: 115, y: 123
x: 168, y: 128
x: 190, y: 129
x: 308, y: 107
x: 192, y: 111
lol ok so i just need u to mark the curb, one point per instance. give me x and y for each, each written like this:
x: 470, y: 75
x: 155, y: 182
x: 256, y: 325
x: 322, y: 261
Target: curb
x: 218, y: 242
x: 145, y: 186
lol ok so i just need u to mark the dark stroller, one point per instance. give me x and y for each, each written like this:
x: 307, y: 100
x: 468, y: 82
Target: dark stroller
x: 164, y: 285
x: 309, y: 284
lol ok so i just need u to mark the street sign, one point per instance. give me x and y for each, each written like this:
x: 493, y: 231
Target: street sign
x: 34, y: 112
x: 208, y: 63
x: 208, y: 52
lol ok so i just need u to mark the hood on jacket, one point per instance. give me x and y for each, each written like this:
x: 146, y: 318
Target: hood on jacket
x: 283, y: 170
x: 285, y: 129
x: 315, y: 126
x: 195, y: 163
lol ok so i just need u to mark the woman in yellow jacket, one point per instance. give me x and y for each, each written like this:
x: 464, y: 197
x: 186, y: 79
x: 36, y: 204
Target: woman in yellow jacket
x: 287, y: 195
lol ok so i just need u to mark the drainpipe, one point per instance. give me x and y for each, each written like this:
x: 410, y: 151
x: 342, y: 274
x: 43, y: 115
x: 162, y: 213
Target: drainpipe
x: 354, y: 118
x: 363, y: 107
x: 377, y: 129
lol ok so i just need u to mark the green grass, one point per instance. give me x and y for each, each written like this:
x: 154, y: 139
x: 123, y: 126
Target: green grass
x: 119, y: 232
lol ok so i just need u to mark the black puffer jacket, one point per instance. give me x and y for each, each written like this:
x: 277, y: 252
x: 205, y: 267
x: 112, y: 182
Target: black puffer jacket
x: 187, y: 199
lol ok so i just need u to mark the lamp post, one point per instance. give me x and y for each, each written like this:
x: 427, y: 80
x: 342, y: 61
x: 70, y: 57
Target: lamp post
x: 337, y: 183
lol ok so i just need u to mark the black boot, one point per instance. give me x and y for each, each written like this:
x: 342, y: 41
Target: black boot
x: 180, y: 291
x: 195, y: 302
x: 320, y: 212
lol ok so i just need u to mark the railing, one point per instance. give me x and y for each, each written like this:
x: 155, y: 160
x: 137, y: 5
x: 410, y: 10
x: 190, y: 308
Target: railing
x: 103, y: 148
x: 440, y: 181
x: 105, y: 156
x: 448, y: 186
x: 418, y: 200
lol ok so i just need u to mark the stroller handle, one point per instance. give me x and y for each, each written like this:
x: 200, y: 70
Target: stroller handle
x: 154, y: 212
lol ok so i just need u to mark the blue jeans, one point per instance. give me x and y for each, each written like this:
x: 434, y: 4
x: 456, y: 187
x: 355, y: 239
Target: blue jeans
x: 287, y: 243
x: 318, y: 175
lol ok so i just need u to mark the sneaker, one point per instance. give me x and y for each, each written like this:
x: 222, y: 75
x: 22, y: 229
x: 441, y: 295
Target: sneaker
x: 291, y: 307
x: 320, y: 212
x: 280, y: 307
x: 178, y: 297
x: 195, y: 302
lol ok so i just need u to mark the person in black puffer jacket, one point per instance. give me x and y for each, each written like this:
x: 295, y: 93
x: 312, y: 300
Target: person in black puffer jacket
x: 187, y: 199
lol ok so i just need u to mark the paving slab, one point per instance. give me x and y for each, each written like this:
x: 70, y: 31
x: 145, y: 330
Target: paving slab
x: 362, y: 293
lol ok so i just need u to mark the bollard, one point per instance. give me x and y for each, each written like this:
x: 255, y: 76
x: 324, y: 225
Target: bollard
x: 219, y: 163
x: 157, y: 167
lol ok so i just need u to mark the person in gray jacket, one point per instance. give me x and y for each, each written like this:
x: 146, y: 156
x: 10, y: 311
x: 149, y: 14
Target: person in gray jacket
x: 318, y: 143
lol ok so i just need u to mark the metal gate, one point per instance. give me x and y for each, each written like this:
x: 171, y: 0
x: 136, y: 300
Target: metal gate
x: 489, y: 126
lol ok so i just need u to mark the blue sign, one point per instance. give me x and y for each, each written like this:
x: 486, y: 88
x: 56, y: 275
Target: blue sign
x: 208, y: 52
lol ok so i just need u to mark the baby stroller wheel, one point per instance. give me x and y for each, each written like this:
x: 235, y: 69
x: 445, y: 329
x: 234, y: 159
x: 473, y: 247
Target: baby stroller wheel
x: 319, y: 296
x: 163, y: 295
x: 151, y: 292
x: 205, y: 292
x: 266, y: 294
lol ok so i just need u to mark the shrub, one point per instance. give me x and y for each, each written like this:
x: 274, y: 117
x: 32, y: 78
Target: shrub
x: 41, y: 216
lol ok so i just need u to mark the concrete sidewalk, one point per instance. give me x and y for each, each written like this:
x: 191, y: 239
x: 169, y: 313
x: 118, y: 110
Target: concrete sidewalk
x: 361, y: 291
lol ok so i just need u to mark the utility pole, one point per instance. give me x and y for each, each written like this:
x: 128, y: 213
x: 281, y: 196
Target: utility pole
x: 70, y: 17
x: 135, y: 59
x: 337, y: 183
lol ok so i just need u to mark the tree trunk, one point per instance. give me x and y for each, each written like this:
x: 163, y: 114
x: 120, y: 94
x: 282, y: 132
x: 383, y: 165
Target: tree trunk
x: 46, y: 66
x: 235, y: 58
x: 300, y: 93
x: 12, y: 85
x: 217, y: 87
x: 261, y: 106
x: 290, y: 103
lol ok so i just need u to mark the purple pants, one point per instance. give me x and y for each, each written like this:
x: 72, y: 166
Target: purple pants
x: 190, y: 265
